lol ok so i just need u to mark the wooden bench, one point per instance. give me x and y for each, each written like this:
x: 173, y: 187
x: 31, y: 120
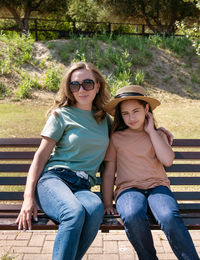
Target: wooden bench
x: 16, y: 155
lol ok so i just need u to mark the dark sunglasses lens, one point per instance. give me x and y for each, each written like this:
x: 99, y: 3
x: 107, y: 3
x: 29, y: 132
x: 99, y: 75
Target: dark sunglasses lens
x: 88, y: 84
x: 74, y: 86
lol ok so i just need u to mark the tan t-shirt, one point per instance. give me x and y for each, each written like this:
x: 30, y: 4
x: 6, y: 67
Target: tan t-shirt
x: 136, y: 161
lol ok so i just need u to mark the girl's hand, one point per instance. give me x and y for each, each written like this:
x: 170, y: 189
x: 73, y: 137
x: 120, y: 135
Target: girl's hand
x: 149, y: 123
x: 110, y: 211
x: 29, y: 209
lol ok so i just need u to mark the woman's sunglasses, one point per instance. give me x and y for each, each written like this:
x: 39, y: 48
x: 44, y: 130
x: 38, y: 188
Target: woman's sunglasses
x: 87, y: 84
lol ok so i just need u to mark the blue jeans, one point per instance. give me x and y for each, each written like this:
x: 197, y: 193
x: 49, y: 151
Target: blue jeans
x: 67, y: 199
x: 132, y: 205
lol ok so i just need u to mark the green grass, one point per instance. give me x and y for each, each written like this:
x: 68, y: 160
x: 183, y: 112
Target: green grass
x: 26, y: 119
x: 22, y: 119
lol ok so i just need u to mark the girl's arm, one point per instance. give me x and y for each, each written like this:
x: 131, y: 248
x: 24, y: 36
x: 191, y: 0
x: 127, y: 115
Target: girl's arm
x: 29, y: 206
x: 161, y: 146
x: 108, y: 186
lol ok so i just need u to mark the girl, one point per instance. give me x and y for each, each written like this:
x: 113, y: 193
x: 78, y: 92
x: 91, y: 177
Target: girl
x: 137, y: 152
x: 74, y: 142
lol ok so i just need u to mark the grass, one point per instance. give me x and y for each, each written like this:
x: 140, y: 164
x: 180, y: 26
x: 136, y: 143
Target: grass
x: 22, y: 119
x: 26, y: 119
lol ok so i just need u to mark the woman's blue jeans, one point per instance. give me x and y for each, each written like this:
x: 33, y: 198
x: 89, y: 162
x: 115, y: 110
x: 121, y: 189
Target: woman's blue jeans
x: 132, y: 205
x: 67, y: 199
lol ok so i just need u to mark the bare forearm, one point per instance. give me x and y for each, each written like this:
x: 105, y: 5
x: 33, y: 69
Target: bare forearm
x: 108, y: 185
x: 163, y: 151
x: 40, y: 159
x: 35, y: 171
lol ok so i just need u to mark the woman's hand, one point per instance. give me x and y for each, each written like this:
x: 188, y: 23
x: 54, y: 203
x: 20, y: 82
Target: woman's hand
x: 110, y: 211
x: 29, y: 209
x: 169, y: 135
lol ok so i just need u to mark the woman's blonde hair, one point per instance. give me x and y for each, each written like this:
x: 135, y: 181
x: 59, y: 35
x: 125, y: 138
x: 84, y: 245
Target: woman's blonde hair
x: 65, y: 97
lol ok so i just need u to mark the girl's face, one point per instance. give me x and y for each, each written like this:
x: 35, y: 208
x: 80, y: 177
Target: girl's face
x: 133, y: 114
x: 84, y: 98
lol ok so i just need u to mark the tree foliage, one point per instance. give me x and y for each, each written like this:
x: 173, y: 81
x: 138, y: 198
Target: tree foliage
x: 21, y: 10
x: 159, y: 15
x: 192, y: 31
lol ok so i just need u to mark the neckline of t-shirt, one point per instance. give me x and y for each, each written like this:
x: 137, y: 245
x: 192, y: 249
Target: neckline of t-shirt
x: 89, y: 112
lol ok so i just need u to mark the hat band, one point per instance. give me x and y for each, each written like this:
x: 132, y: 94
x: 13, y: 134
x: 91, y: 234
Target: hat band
x: 128, y: 94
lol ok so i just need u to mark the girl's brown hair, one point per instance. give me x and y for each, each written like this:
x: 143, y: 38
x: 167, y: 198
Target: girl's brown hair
x: 118, y: 123
x: 65, y: 97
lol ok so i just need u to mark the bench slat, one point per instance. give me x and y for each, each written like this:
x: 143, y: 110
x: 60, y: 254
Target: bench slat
x: 12, y: 180
x: 184, y: 180
x: 20, y: 142
x: 181, y: 195
x: 187, y: 155
x: 5, y: 195
x: 173, y: 180
x: 16, y: 155
x: 14, y: 167
x: 183, y: 168
x: 186, y: 142
x: 173, y: 168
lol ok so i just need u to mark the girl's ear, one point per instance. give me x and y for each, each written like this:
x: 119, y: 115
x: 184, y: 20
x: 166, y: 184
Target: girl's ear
x: 147, y: 108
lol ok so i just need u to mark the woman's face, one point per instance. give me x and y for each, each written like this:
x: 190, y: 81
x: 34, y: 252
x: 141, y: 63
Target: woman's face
x: 133, y: 114
x: 84, y: 98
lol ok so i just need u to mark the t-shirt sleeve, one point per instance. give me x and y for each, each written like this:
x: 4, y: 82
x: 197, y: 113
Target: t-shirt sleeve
x: 54, y: 127
x: 111, y: 153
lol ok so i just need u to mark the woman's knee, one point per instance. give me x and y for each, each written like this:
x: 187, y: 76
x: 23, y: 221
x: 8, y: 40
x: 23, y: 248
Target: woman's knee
x: 73, y: 213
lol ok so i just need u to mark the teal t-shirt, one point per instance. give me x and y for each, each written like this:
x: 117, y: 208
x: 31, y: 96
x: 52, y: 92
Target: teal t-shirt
x: 81, y: 142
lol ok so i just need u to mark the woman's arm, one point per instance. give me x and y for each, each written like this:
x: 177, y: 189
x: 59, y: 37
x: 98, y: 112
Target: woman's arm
x: 169, y: 135
x: 161, y: 146
x: 29, y: 206
x: 108, y: 186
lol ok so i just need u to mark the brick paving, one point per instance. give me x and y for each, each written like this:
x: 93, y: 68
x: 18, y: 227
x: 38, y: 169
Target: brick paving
x: 31, y: 245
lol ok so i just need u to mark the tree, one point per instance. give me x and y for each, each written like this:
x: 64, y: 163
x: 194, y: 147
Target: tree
x: 21, y: 9
x: 192, y: 31
x: 159, y: 15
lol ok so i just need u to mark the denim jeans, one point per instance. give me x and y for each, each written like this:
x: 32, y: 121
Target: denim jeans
x: 67, y: 199
x: 132, y: 205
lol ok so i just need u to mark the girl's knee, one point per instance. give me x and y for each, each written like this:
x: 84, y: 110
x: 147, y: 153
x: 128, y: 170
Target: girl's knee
x: 168, y: 217
x: 135, y: 218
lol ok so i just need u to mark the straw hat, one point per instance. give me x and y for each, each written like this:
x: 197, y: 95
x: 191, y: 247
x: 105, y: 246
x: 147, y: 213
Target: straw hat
x: 130, y: 92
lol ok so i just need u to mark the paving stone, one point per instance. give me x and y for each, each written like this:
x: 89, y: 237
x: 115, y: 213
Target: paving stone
x: 14, y: 243
x: 48, y: 247
x: 37, y: 256
x: 28, y: 250
x: 24, y: 235
x: 103, y: 257
x: 37, y: 240
x: 110, y: 247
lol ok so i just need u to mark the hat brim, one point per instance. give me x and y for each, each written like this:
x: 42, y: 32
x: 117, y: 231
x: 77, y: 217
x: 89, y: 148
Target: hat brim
x: 110, y: 107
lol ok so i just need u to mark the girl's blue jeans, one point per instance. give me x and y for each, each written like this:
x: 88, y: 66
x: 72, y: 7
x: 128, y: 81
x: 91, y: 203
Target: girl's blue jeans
x: 67, y: 199
x: 132, y: 205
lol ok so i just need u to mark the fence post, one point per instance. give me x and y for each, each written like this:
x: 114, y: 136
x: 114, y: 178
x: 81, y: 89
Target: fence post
x: 143, y: 29
x: 74, y: 27
x: 36, y: 35
x: 109, y: 28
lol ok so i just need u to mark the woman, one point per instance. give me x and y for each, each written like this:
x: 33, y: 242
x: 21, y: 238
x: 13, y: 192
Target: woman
x: 74, y: 141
